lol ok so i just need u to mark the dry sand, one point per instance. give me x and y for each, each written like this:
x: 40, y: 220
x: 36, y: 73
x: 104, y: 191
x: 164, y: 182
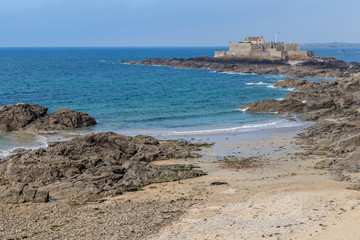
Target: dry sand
x: 283, y: 198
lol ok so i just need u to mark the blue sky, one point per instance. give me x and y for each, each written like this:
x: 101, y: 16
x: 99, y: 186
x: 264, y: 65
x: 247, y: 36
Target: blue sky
x: 174, y: 22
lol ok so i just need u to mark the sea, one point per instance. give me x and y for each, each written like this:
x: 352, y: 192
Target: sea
x: 139, y: 99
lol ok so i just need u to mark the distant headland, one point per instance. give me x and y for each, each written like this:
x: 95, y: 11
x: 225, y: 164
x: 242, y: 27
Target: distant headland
x: 258, y: 48
x: 330, y: 45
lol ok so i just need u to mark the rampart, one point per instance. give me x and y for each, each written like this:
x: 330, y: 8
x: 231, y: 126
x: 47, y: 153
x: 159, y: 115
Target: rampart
x: 264, y: 50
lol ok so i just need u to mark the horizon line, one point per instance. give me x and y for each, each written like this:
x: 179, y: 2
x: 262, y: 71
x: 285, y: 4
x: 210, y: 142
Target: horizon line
x: 113, y: 46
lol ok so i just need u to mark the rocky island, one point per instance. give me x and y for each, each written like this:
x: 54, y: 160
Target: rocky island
x: 254, y: 55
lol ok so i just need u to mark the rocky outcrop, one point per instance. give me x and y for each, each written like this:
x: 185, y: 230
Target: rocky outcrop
x: 95, y: 165
x: 315, y: 67
x: 34, y: 117
x: 275, y: 106
x: 15, y: 117
x: 62, y: 119
x: 335, y: 105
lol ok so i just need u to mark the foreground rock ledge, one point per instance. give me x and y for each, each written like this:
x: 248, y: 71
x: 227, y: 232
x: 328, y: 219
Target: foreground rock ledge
x: 23, y: 116
x: 96, y: 165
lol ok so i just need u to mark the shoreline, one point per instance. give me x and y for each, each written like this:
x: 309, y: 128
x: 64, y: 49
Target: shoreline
x: 283, y: 197
x: 314, y: 67
x: 45, y: 139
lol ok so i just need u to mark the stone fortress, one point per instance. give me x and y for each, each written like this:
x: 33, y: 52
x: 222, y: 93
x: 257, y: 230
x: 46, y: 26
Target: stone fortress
x: 256, y: 47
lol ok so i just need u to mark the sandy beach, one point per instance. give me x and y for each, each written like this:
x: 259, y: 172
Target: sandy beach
x: 282, y: 197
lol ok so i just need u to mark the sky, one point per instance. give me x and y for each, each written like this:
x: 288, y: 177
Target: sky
x: 45, y: 23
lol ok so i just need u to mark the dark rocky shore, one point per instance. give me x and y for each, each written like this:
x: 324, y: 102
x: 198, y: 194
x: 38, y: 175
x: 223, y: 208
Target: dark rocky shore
x: 85, y: 167
x: 92, y: 166
x: 314, y: 67
x: 335, y: 106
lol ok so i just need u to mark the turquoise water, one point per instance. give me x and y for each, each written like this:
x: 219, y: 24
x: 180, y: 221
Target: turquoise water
x: 137, y: 99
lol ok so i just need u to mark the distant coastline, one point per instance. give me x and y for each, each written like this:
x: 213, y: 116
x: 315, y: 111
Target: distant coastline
x: 330, y: 45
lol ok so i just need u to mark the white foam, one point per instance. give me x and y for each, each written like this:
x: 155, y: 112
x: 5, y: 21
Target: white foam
x: 243, y: 128
x: 303, y: 101
x: 285, y: 89
x: 280, y: 99
x: 40, y: 140
x: 276, y: 76
x: 256, y: 83
x: 243, y: 109
x: 238, y: 73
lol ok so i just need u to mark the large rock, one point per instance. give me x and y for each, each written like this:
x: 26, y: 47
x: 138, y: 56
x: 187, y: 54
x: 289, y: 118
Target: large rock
x: 16, y: 117
x: 291, y: 83
x: 34, y: 117
x: 272, y: 106
x: 104, y: 163
x: 62, y: 119
x: 20, y: 193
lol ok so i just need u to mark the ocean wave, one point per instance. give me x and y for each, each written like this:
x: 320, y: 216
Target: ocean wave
x: 238, y: 73
x: 243, y: 109
x: 179, y: 117
x: 256, y: 83
x: 40, y: 142
x: 244, y: 128
x: 278, y: 76
x: 285, y: 89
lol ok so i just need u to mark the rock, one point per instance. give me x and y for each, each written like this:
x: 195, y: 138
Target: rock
x: 18, y: 150
x: 19, y: 193
x: 95, y: 164
x: 291, y: 119
x: 218, y: 183
x: 355, y: 186
x: 34, y: 117
x: 297, y: 84
x: 315, y: 67
x: 338, y: 176
x: 62, y: 119
x: 15, y: 117
x: 357, y: 179
x: 275, y: 106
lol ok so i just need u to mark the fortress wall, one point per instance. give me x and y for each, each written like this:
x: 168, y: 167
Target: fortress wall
x: 266, y: 50
x: 278, y: 54
x: 258, y: 48
x: 249, y: 54
x: 236, y: 47
x: 301, y: 53
x: 291, y: 47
